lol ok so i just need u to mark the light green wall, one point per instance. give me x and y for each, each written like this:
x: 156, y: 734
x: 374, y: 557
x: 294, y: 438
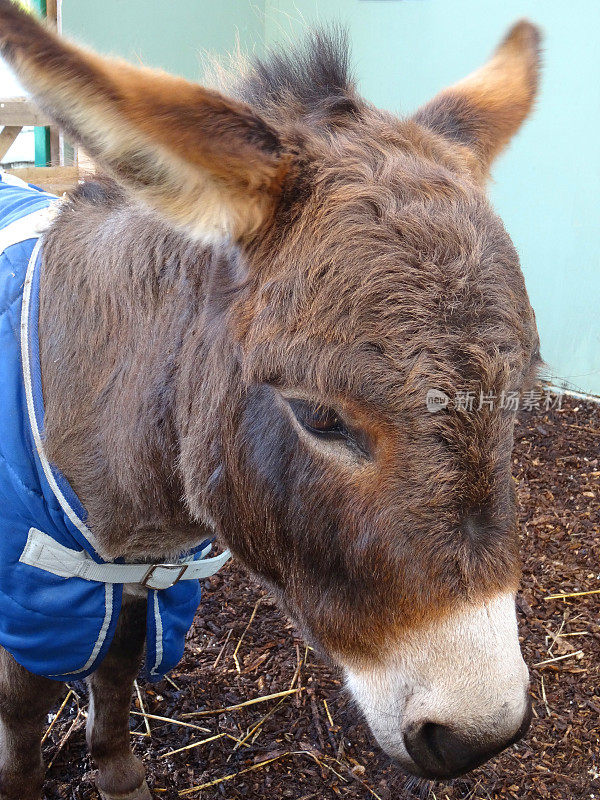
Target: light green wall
x: 171, y: 34
x: 546, y: 186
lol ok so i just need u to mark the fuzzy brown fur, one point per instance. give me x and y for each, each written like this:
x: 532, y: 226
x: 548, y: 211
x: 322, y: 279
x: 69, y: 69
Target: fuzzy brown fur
x: 375, y: 271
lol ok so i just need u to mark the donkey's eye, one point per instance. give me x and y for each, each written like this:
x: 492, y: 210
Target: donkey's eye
x: 325, y: 423
x: 318, y: 419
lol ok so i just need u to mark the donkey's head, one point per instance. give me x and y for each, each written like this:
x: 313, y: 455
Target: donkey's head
x: 357, y: 266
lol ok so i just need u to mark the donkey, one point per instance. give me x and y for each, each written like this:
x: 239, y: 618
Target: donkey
x: 239, y: 327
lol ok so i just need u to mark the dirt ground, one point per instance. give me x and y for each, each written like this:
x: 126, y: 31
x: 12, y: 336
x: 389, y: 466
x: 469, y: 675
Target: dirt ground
x: 311, y: 742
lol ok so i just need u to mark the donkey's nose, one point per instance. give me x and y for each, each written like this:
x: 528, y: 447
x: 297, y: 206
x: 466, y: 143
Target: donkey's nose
x: 439, y: 752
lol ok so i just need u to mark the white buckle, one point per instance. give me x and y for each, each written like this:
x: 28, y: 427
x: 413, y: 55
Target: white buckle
x: 181, y: 569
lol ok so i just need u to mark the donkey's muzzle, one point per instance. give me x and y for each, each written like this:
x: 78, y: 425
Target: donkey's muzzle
x: 440, y: 753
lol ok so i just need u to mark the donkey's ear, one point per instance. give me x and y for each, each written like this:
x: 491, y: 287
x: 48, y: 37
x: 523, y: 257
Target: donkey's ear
x: 485, y: 109
x: 209, y: 164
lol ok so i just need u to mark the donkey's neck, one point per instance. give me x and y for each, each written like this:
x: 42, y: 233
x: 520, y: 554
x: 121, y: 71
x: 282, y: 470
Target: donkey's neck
x: 120, y: 293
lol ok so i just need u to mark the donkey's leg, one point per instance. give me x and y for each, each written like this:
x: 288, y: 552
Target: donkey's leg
x: 25, y: 700
x: 120, y: 773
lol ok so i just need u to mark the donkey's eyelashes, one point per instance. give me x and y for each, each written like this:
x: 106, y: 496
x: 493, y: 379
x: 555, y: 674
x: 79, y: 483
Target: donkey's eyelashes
x: 326, y: 424
x: 318, y: 419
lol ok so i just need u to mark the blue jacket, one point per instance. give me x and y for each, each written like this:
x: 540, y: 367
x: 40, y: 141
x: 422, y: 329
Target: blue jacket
x: 60, y: 627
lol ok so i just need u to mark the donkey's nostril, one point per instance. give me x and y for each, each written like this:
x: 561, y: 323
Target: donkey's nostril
x: 440, y: 752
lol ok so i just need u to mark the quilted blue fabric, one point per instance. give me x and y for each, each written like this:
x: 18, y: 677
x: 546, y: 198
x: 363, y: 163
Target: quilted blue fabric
x: 54, y: 626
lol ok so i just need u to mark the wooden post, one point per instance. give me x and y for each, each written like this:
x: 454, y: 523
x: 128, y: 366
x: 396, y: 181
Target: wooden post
x: 47, y: 140
x: 7, y: 137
